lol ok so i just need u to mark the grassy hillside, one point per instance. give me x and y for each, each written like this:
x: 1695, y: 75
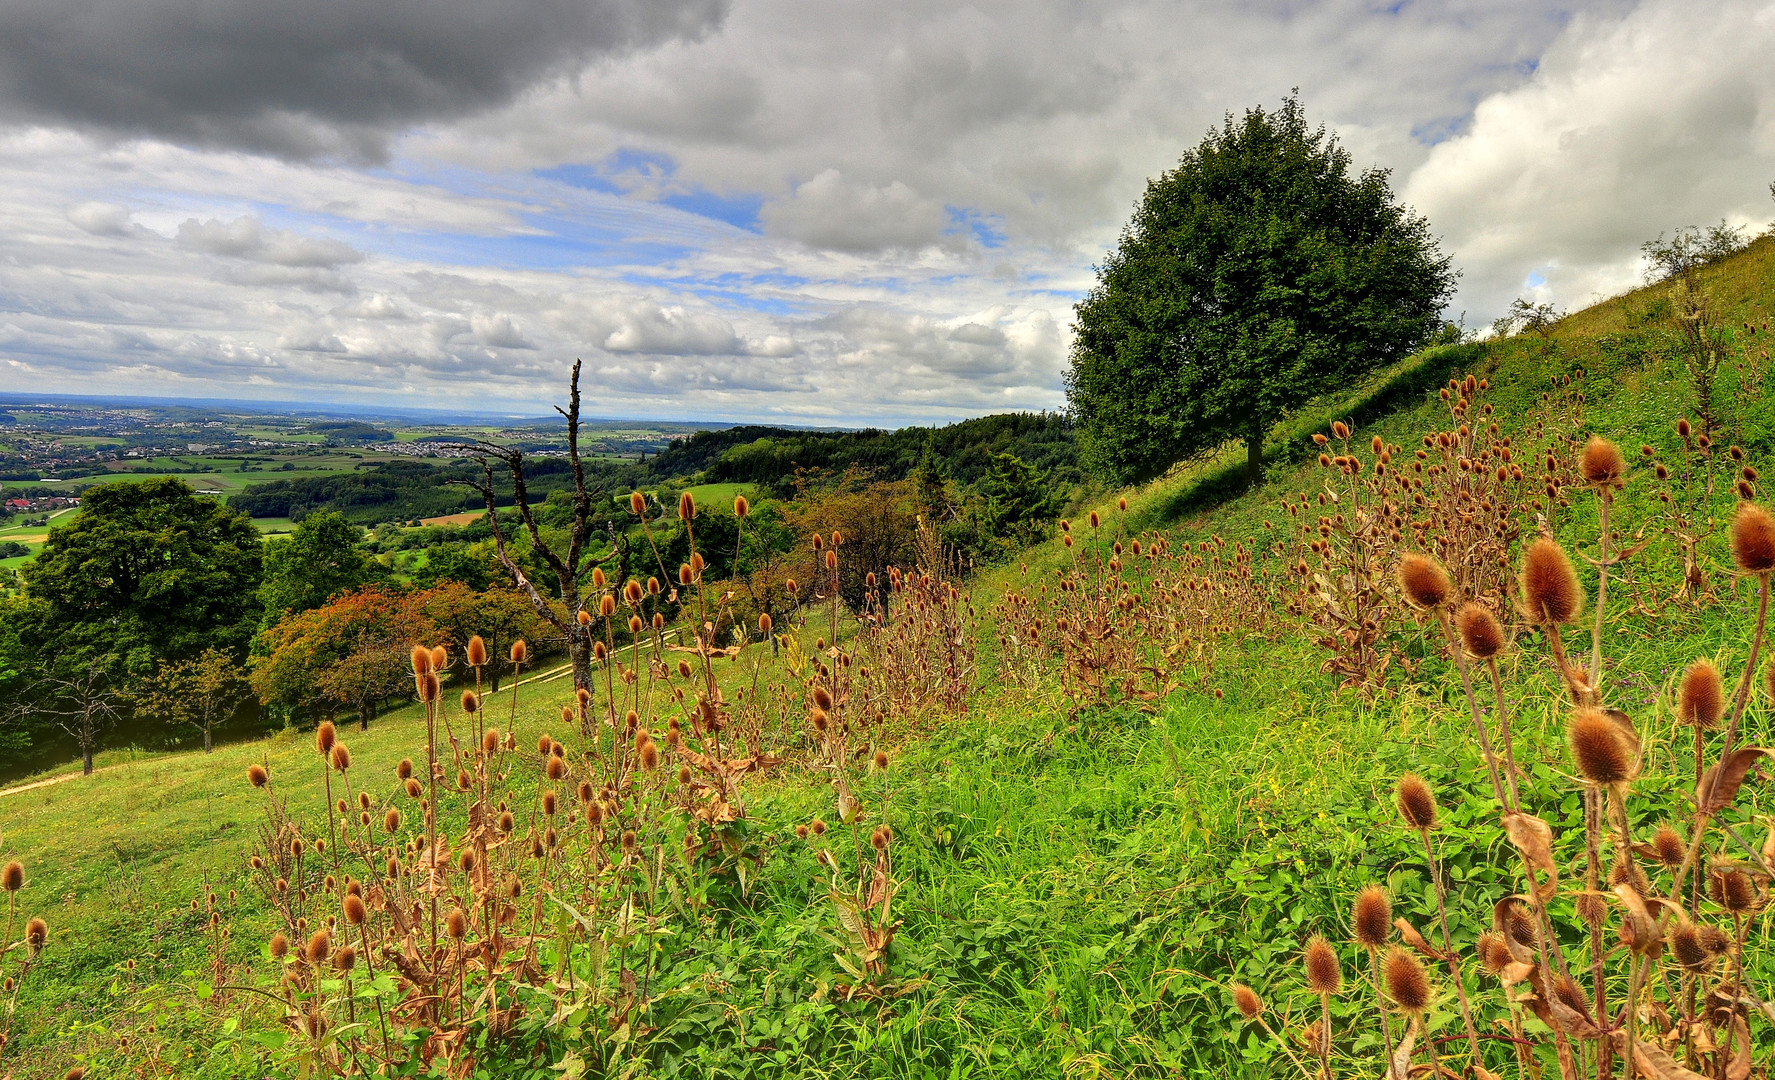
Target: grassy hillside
x: 1080, y: 879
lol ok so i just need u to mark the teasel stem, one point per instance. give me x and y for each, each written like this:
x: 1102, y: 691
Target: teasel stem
x: 1448, y: 947
x: 1283, y: 1043
x: 1702, y: 815
x: 1617, y: 801
x: 1460, y: 657
x: 1581, y: 694
x: 1380, y: 997
x: 1325, y: 1036
x: 1605, y: 501
x: 1497, y: 685
x: 431, y: 807
x: 1592, y: 883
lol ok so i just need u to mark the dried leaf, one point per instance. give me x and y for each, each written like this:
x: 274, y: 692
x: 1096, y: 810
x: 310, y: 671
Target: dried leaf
x: 1416, y: 940
x: 1652, y: 1062
x: 1739, y: 1067
x: 1639, y: 931
x: 1720, y: 784
x: 1400, y: 1067
x: 1534, y: 838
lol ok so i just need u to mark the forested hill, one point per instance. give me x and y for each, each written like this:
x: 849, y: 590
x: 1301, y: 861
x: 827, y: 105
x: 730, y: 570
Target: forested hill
x: 963, y: 451
x: 771, y: 457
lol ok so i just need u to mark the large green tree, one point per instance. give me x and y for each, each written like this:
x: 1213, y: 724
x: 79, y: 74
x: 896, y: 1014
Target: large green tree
x: 318, y: 560
x: 149, y: 571
x: 1257, y: 274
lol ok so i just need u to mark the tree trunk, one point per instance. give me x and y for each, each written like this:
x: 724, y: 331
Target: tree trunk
x: 1254, y: 457
x: 86, y: 760
x: 207, y: 745
x: 581, y: 655
x: 364, y: 713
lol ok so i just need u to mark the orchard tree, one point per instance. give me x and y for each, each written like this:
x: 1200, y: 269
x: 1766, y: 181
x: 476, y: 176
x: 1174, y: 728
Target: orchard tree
x: 1256, y: 275
x: 202, y: 692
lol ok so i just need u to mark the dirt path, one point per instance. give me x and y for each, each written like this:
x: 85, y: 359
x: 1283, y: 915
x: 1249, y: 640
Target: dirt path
x: 34, y: 785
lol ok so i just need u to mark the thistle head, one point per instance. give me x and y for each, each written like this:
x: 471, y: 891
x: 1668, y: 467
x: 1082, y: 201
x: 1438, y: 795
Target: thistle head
x: 1481, y: 634
x: 1424, y: 581
x: 1753, y: 539
x: 1372, y: 917
x: 1408, y: 984
x: 1601, y: 464
x: 1417, y: 803
x: 1600, y: 747
x: 1324, y: 975
x: 1550, y: 589
x: 1701, y: 700
x: 1245, y: 999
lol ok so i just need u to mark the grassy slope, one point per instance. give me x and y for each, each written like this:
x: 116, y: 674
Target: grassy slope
x: 1075, y: 889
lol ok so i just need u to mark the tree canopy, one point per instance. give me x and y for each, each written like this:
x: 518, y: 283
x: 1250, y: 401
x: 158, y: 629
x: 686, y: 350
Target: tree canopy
x: 149, y: 571
x: 317, y: 561
x: 1257, y: 274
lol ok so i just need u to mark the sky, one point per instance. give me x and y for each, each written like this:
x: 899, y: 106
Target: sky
x: 849, y: 212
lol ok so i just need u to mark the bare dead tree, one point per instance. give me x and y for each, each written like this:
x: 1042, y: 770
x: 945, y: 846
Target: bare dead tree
x: 84, y: 702
x: 570, y: 565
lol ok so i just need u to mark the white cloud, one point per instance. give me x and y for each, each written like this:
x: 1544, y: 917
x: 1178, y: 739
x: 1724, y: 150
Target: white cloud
x: 670, y: 331
x: 247, y: 238
x: 1628, y: 128
x: 101, y: 219
x: 832, y: 212
x: 498, y: 330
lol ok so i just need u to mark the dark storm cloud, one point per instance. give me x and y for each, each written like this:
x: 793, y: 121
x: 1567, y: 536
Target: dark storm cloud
x: 304, y: 78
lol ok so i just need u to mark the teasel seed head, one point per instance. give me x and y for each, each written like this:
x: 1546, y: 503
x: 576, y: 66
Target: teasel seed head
x: 318, y: 946
x: 1732, y: 888
x: 599, y: 652
x: 684, y: 774
x: 1494, y: 954
x: 740, y: 506
x: 456, y: 925
x: 340, y: 758
x: 686, y: 507
x: 1550, y: 589
x: 1417, y: 803
x: 280, y: 946
x: 584, y: 617
x: 257, y: 776
x: 650, y: 755
x: 471, y: 702
x: 391, y: 820
x: 1571, y: 994
x: 817, y: 827
x: 429, y: 687
x: 355, y: 911
x: 881, y: 761
x: 490, y: 742
x: 819, y: 718
x: 1324, y: 975
x: 637, y: 503
x: 1601, y: 463
x: 1408, y: 984
x: 1600, y: 748
x: 1753, y: 539
x: 1481, y: 634
x: 1687, y: 946
x: 629, y: 840
x: 421, y: 659
x: 1701, y: 700
x: 520, y: 651
x: 345, y: 958
x: 822, y: 698
x: 1424, y: 581
x: 324, y: 737
x: 1245, y: 999
x: 1372, y: 917
x: 404, y: 770
x: 413, y: 788
x: 556, y: 768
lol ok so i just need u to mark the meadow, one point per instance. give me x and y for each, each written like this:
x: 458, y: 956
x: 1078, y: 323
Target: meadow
x: 1149, y: 776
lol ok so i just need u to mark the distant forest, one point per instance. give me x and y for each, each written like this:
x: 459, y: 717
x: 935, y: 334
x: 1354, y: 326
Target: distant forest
x: 770, y: 457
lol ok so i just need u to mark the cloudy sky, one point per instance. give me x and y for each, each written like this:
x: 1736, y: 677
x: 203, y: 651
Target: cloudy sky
x: 838, y: 212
